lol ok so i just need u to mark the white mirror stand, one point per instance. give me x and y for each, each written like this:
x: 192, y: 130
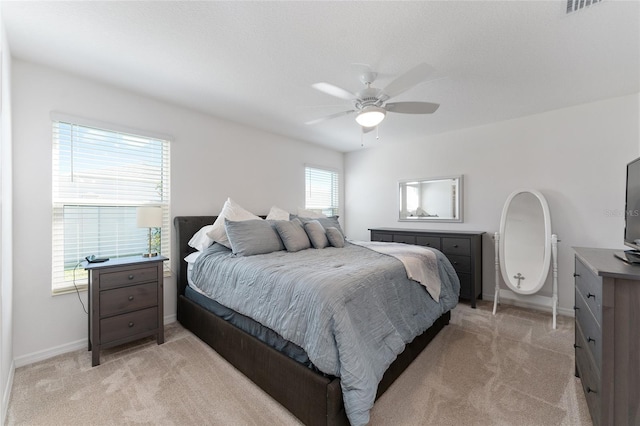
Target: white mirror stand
x: 525, y: 248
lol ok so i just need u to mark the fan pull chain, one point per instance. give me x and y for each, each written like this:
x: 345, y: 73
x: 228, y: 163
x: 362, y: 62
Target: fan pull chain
x: 362, y: 139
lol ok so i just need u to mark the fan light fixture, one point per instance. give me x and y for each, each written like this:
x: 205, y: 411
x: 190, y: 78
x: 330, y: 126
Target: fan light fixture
x: 370, y: 116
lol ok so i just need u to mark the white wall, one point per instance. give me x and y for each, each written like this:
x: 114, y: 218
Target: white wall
x: 211, y: 159
x: 6, y: 235
x: 575, y: 156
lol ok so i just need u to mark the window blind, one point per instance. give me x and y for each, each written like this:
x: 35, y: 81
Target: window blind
x: 100, y: 177
x: 322, y: 190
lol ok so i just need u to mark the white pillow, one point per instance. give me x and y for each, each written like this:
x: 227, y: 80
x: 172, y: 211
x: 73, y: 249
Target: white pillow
x: 277, y: 213
x: 193, y: 257
x: 309, y: 213
x: 232, y: 211
x: 200, y: 239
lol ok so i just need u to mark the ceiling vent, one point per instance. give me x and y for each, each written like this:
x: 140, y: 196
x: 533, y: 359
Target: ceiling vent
x: 575, y: 5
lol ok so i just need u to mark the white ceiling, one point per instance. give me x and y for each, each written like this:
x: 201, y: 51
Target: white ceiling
x: 254, y: 62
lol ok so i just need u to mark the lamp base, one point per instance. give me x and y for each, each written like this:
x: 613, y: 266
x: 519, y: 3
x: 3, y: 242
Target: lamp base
x: 149, y: 254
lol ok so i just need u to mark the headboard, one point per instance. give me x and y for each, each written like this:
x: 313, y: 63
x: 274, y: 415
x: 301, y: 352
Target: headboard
x: 186, y: 226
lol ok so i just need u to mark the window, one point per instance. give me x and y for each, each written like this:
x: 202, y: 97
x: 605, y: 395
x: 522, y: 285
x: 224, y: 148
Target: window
x: 322, y: 190
x: 100, y: 177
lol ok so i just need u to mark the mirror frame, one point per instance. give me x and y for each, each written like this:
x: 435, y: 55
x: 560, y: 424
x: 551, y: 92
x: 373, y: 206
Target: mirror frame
x: 459, y: 200
x: 546, y: 256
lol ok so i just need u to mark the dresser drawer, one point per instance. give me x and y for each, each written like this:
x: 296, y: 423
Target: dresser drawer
x: 589, y: 376
x: 456, y: 246
x: 460, y: 263
x: 590, y: 328
x: 401, y: 238
x: 381, y: 236
x: 433, y: 242
x: 590, y: 286
x: 126, y: 299
x: 466, y: 289
x: 126, y: 325
x: 122, y: 277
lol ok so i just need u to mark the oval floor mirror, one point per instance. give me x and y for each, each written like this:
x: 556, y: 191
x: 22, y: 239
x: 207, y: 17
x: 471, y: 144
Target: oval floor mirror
x: 525, y: 248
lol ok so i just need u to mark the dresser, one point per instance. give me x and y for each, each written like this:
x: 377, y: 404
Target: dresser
x: 462, y: 248
x: 607, y: 335
x: 125, y: 302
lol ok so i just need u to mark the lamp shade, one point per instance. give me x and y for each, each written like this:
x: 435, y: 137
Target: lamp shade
x: 370, y: 116
x: 149, y: 217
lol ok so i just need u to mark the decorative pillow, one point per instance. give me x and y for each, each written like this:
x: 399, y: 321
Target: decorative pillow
x: 315, y: 232
x: 293, y: 235
x: 251, y: 237
x: 200, y: 239
x: 326, y: 222
x: 335, y: 237
x: 309, y: 214
x: 277, y: 213
x: 232, y: 211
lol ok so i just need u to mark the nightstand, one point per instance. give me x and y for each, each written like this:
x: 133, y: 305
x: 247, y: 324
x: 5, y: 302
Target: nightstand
x: 125, y: 302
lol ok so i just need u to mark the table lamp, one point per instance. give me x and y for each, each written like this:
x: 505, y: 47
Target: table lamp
x: 149, y: 217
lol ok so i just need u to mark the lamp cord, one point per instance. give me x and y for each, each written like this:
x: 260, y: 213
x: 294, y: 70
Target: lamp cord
x: 78, y: 291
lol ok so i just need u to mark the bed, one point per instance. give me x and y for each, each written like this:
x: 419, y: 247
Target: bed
x: 313, y: 397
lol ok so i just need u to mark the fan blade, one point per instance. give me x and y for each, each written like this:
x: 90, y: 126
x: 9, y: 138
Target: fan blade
x: 412, y: 107
x: 407, y: 80
x: 336, y: 91
x: 329, y: 117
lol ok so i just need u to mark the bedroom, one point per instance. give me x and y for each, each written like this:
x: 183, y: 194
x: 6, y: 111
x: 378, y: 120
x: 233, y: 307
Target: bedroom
x: 555, y: 149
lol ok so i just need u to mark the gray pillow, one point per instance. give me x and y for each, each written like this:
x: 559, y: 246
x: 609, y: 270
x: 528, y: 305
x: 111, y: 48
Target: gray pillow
x: 326, y: 222
x: 316, y: 234
x: 251, y: 237
x: 293, y: 235
x: 335, y: 237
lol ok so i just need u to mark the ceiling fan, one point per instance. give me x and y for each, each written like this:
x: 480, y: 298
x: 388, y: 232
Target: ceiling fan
x: 370, y: 104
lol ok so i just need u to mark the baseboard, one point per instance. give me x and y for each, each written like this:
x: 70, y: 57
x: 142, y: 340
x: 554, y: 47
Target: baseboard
x: 7, y: 394
x: 62, y: 349
x: 27, y: 359
x: 529, y: 302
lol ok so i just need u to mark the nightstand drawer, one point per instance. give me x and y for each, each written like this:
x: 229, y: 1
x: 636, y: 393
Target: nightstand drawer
x: 128, y: 276
x: 460, y: 263
x: 590, y: 286
x: 456, y: 246
x: 433, y: 242
x: 126, y: 299
x: 590, y: 328
x: 126, y: 325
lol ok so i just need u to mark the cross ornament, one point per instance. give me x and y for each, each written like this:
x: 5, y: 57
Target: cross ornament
x: 519, y: 277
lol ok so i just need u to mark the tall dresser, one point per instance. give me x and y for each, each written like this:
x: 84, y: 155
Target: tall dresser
x: 607, y: 335
x: 462, y: 248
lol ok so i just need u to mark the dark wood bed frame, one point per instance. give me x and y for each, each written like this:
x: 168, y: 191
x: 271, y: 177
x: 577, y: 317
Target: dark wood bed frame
x: 313, y: 398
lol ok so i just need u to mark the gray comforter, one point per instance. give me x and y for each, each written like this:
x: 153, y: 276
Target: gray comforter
x: 352, y: 309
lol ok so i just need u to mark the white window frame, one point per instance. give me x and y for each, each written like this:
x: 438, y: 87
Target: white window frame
x: 63, y: 278
x: 322, y: 202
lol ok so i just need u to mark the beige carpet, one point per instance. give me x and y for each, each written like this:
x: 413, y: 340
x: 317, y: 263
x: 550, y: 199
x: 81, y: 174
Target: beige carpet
x: 511, y: 369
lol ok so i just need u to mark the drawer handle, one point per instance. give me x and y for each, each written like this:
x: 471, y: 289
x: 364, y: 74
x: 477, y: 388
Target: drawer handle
x: 589, y: 390
x: 130, y: 298
x: 428, y: 244
x: 131, y: 324
x: 455, y: 246
x: 591, y: 295
x: 575, y: 346
x: 576, y: 275
x: 575, y: 308
x: 455, y: 263
x: 130, y: 276
x: 589, y: 339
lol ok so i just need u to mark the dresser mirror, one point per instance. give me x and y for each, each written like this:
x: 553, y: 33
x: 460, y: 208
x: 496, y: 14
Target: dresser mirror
x: 431, y: 200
